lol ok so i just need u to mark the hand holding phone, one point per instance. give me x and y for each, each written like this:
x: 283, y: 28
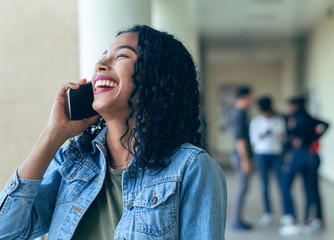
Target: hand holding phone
x: 80, y: 102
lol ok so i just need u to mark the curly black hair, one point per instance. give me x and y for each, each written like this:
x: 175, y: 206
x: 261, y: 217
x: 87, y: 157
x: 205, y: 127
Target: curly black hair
x: 167, y: 107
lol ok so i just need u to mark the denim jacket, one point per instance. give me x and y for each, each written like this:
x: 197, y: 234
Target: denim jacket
x: 185, y: 200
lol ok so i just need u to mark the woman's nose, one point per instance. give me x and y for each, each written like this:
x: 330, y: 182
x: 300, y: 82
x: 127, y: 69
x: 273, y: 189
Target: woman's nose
x: 102, y: 66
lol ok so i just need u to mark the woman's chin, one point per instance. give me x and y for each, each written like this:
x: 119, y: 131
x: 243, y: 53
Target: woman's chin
x: 103, y: 104
x: 111, y: 112
x: 101, y: 109
x: 97, y: 107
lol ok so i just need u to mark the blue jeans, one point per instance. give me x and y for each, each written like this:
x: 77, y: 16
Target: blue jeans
x: 314, y: 204
x: 301, y: 162
x: 265, y: 163
x: 243, y: 186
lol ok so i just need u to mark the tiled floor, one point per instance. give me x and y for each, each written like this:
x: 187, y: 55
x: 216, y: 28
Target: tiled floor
x: 253, y: 211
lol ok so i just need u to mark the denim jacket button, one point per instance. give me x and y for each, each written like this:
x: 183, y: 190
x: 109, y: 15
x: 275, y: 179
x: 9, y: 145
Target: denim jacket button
x: 153, y: 200
x: 131, y: 175
x: 12, y: 184
x: 130, y: 206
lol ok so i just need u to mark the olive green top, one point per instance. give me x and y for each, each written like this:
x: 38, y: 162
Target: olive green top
x: 101, y: 219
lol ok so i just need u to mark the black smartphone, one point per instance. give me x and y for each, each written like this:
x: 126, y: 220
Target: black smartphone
x: 80, y: 102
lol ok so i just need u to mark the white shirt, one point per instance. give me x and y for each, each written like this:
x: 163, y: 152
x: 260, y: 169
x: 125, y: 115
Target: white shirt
x: 267, y: 135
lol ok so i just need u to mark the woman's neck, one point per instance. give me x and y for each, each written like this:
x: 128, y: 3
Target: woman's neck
x: 120, y: 156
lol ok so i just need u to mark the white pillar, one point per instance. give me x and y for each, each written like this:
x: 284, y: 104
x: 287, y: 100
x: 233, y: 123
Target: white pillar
x: 100, y: 20
x: 173, y: 16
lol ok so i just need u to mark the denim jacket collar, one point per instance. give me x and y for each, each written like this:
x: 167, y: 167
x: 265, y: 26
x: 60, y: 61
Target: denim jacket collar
x: 100, y: 140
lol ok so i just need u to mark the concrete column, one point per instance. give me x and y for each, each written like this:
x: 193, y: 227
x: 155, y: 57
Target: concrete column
x: 173, y: 16
x: 100, y: 20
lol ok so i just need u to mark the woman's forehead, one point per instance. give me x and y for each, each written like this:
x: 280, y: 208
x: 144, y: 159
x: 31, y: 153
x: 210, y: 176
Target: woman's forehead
x: 125, y: 39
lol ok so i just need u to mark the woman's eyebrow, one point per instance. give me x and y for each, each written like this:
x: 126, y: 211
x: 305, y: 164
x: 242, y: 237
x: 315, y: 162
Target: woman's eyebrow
x: 126, y: 46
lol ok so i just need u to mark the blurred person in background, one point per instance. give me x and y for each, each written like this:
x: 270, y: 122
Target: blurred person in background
x: 303, y: 131
x: 241, y: 155
x: 313, y: 213
x: 136, y: 171
x: 267, y: 135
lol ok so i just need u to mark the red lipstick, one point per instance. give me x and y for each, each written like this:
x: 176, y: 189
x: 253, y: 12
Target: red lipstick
x: 102, y: 77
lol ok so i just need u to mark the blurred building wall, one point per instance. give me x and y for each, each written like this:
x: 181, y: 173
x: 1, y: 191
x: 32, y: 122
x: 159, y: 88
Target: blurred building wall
x: 320, y: 81
x: 38, y: 53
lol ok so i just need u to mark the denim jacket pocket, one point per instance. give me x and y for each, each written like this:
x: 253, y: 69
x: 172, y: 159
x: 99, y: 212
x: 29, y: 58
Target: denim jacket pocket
x: 75, y: 177
x: 156, y: 210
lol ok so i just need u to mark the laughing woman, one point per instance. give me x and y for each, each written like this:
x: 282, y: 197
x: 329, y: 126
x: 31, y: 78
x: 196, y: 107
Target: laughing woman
x: 136, y: 171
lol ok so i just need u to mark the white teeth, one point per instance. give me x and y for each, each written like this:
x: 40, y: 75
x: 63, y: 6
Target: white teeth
x: 105, y: 83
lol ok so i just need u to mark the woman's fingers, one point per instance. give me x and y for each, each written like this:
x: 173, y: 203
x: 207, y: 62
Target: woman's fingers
x: 75, y: 85
x: 59, y: 113
x: 90, y: 121
x: 78, y: 126
x: 81, y: 81
x: 62, y: 94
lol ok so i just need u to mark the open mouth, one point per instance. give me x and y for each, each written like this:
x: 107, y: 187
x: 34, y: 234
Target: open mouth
x: 101, y: 84
x: 104, y: 85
